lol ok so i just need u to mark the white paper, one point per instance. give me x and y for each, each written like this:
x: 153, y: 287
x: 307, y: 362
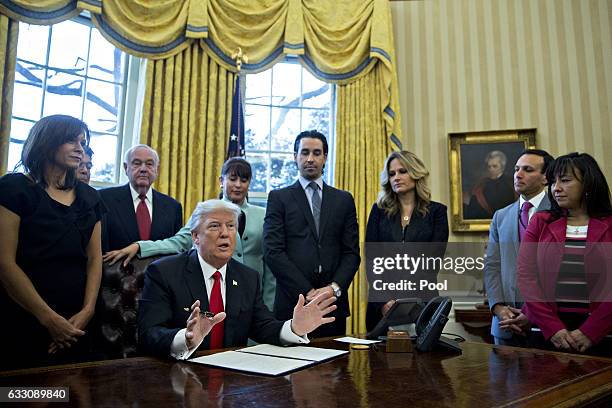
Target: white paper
x: 253, y: 363
x: 355, y: 340
x: 296, y: 352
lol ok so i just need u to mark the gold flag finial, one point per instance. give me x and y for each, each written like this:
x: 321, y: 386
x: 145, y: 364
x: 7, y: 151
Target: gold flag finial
x: 240, y: 58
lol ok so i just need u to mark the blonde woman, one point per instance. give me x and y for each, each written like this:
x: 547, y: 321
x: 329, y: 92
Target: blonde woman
x: 403, y: 212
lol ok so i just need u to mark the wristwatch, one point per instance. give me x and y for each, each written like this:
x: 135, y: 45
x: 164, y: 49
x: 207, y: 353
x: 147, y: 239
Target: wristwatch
x: 336, y: 288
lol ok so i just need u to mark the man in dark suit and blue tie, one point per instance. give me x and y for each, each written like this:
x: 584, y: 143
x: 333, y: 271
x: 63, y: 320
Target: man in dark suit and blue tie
x: 136, y: 211
x: 178, y: 288
x: 311, y: 238
x: 507, y: 228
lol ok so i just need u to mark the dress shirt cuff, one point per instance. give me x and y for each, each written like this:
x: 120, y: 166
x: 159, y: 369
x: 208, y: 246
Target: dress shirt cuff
x: 178, y: 348
x: 287, y: 336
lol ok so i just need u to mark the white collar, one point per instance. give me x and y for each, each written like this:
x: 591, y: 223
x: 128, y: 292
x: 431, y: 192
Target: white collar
x: 535, y: 201
x: 209, y: 270
x: 304, y: 182
x: 135, y: 197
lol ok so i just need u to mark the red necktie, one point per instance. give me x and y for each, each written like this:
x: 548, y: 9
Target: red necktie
x: 143, y: 218
x: 524, y: 219
x: 216, y: 306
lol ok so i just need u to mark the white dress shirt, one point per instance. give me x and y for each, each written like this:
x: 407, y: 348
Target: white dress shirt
x: 179, y: 349
x: 304, y: 183
x: 535, y: 201
x: 148, y: 200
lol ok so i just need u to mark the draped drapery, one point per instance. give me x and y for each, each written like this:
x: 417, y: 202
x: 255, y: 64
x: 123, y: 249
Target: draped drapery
x: 191, y: 46
x: 186, y: 118
x: 361, y: 149
x: 8, y: 53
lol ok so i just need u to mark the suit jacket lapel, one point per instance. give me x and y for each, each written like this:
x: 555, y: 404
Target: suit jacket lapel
x: 300, y: 197
x: 596, y: 229
x: 327, y: 206
x: 160, y: 215
x: 195, y: 281
x: 514, y: 226
x: 232, y: 300
x: 127, y: 214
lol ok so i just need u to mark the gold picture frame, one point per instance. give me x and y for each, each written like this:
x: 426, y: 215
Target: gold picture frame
x: 477, y: 185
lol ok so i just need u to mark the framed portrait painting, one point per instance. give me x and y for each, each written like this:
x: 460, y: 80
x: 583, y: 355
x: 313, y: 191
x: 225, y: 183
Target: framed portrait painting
x: 481, y: 166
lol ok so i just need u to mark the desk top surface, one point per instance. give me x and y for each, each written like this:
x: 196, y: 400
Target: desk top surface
x: 484, y: 375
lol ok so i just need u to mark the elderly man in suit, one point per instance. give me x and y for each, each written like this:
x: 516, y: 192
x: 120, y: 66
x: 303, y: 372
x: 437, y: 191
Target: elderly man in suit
x: 136, y: 211
x: 178, y: 288
x: 507, y: 229
x: 236, y: 175
x: 311, y: 240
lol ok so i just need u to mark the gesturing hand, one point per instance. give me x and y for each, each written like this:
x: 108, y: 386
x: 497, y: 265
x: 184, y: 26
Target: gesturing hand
x: 128, y: 253
x: 198, y: 326
x: 308, y: 317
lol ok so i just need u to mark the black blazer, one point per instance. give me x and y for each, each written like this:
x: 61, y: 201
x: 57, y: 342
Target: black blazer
x: 293, y: 251
x: 173, y: 283
x: 119, y: 226
x: 433, y: 227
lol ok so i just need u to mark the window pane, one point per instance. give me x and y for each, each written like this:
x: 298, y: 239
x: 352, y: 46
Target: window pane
x: 317, y: 94
x: 258, y: 88
x: 63, y: 94
x: 257, y: 127
x: 104, y: 157
x: 283, y: 170
x: 20, y: 129
x: 259, y: 164
x: 286, y: 84
x: 102, y: 106
x: 14, y: 155
x: 105, y: 61
x: 27, y: 94
x: 74, y: 56
x: 316, y: 119
x: 32, y: 42
x: 285, y: 127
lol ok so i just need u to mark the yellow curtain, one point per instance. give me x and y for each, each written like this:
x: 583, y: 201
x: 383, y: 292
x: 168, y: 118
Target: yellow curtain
x: 361, y: 148
x: 186, y: 118
x: 9, y: 30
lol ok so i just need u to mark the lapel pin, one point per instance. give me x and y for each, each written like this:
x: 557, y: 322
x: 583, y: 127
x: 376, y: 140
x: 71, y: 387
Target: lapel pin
x: 234, y: 283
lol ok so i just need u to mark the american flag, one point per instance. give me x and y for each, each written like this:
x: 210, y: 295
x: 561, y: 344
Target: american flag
x: 235, y: 146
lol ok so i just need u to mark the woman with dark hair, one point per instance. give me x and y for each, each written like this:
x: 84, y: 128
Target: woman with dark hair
x: 563, y: 265
x: 50, y: 251
x: 403, y: 212
x: 235, y: 179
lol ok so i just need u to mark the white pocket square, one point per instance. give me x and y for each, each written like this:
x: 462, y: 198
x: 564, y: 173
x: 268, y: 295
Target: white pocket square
x: 234, y: 283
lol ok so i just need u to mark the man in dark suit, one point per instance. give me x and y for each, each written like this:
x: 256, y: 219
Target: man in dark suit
x: 311, y: 238
x: 135, y: 210
x: 507, y: 226
x: 179, y: 287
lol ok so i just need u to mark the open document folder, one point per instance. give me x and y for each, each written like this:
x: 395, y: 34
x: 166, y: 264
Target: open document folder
x: 267, y: 359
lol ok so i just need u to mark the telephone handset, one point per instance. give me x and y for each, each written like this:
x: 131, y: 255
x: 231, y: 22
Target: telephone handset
x: 430, y: 324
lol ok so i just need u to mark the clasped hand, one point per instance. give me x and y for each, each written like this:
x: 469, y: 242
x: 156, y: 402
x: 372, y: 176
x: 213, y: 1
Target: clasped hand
x: 571, y: 340
x: 513, y: 319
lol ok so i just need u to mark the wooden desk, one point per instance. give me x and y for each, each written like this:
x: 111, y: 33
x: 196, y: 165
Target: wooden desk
x: 483, y: 376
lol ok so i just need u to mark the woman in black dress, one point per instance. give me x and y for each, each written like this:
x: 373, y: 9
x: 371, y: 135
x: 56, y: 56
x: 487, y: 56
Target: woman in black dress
x: 50, y: 251
x: 403, y: 212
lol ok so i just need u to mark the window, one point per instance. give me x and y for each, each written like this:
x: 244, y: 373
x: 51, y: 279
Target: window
x: 280, y: 103
x: 69, y: 68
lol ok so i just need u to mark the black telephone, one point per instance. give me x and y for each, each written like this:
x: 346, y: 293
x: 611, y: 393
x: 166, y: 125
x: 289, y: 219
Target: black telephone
x: 430, y: 324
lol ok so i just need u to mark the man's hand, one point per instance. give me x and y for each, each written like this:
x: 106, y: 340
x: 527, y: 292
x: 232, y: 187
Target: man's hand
x: 308, y: 317
x: 128, y: 253
x: 313, y: 293
x: 583, y: 343
x: 518, y: 324
x: 198, y: 326
x: 503, y: 312
x: 563, y: 340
